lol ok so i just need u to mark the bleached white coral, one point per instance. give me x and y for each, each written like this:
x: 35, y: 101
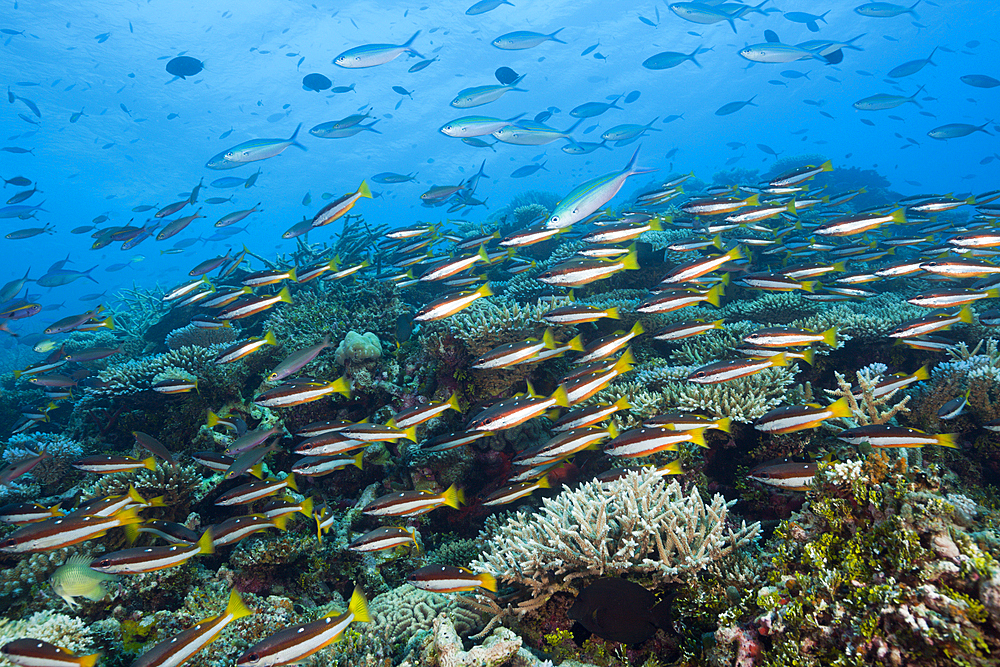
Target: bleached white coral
x: 68, y: 632
x: 844, y: 472
x: 639, y: 523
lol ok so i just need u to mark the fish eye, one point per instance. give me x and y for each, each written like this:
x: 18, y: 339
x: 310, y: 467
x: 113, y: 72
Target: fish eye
x: 104, y: 562
x: 253, y: 657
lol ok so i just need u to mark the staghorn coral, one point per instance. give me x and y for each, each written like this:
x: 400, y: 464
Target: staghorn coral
x: 658, y: 388
x: 51, y: 471
x: 869, y: 410
x: 488, y: 323
x: 335, y: 308
x: 194, y: 336
x: 976, y: 372
x: 638, y: 523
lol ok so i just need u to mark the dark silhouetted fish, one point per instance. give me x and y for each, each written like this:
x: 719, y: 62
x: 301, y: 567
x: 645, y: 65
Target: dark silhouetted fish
x: 316, y: 81
x: 184, y: 66
x: 620, y: 611
x: 506, y: 75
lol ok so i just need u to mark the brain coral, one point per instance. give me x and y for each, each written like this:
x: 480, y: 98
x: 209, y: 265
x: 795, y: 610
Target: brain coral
x: 356, y: 348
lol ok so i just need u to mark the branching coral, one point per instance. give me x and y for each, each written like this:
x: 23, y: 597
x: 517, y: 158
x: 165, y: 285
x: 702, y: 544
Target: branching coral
x: 659, y: 388
x: 137, y: 375
x: 976, y: 372
x: 638, y: 523
x: 869, y: 410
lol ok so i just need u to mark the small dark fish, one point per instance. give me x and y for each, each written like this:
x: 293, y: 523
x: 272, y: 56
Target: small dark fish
x: 421, y: 65
x: 506, y: 75
x: 403, y: 91
x: 103, y: 37
x: 976, y: 80
x: 31, y: 105
x: 184, y: 66
x: 527, y: 170
x: 590, y: 49
x: 733, y: 107
x: 767, y: 149
x: 316, y: 81
x: 632, y: 97
x: 125, y: 108
x: 619, y: 610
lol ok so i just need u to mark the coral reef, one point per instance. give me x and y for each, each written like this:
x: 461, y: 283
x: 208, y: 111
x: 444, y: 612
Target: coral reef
x: 357, y: 349
x: 637, y: 524
x: 191, y: 335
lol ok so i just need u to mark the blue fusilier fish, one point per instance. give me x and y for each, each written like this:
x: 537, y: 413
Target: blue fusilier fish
x: 476, y: 126
x: 524, y: 39
x: 776, y: 52
x: 592, y: 195
x: 258, y: 149
x: 480, y: 95
x: 371, y: 55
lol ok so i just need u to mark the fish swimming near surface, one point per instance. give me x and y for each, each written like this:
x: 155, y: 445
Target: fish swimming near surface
x: 371, y: 55
x: 524, y: 39
x: 260, y: 149
x: 184, y: 66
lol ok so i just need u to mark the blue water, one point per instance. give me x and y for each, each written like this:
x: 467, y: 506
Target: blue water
x: 97, y: 56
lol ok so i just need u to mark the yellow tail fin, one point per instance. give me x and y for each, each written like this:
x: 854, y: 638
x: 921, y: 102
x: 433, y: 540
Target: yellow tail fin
x: 830, y: 337
x: 631, y: 261
x: 487, y: 581
x: 358, y: 606
x: 307, y: 507
x: 561, y: 397
x: 672, y: 468
x: 947, y: 440
x: 840, y: 408
x: 364, y: 190
x: 206, y: 545
x: 453, y: 497
x: 236, y: 607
